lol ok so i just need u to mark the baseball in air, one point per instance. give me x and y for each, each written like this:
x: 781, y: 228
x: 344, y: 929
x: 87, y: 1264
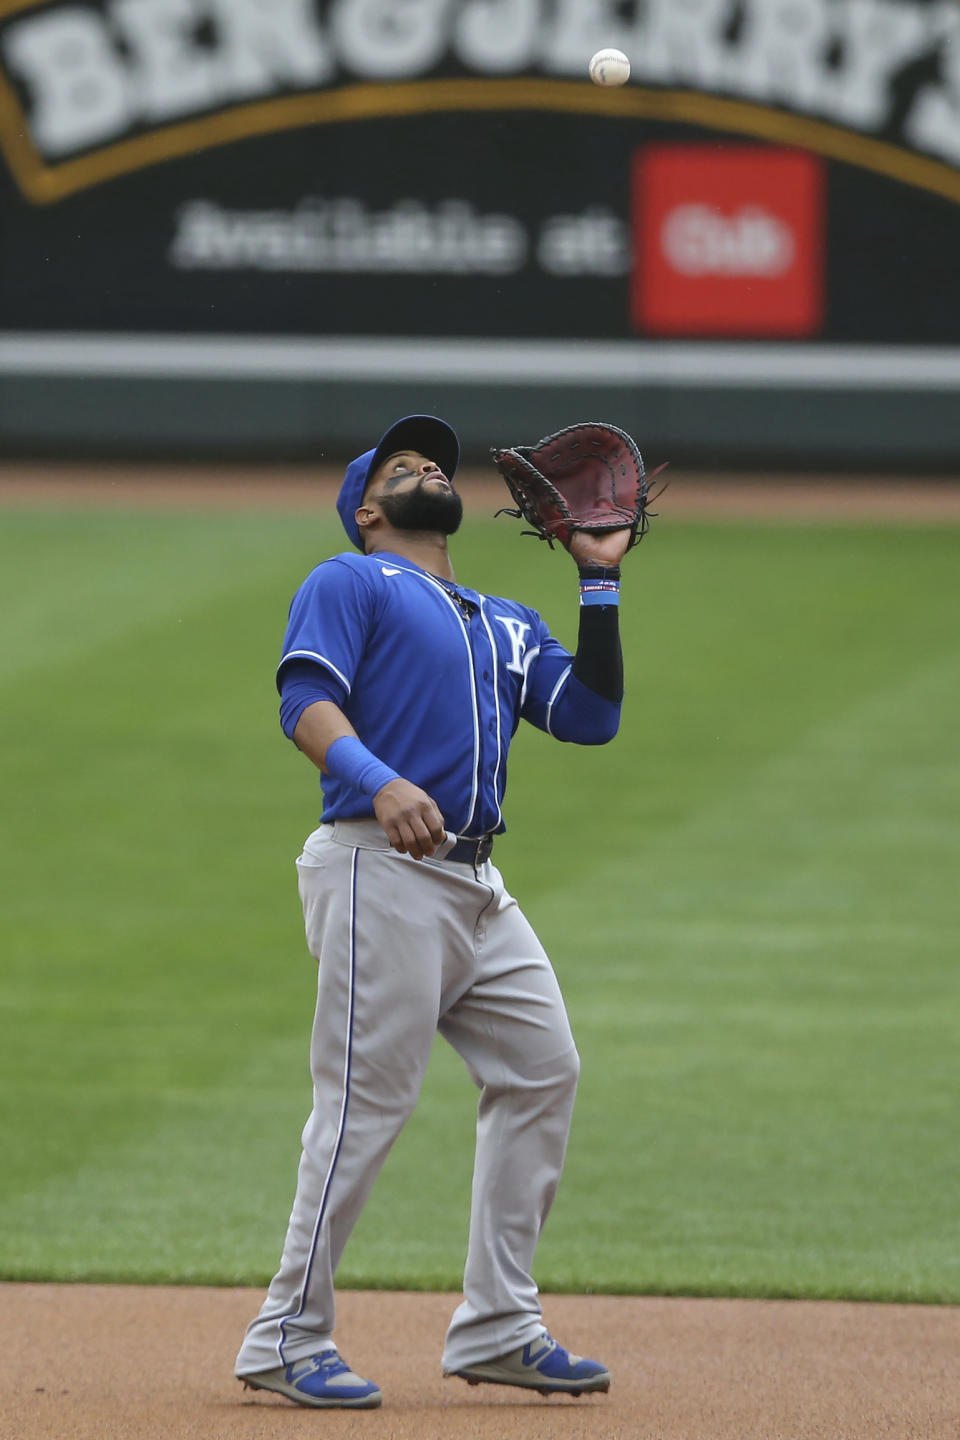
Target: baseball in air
x: 609, y: 67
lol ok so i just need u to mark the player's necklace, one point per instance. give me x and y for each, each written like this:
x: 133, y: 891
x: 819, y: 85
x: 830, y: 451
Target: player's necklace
x: 465, y: 606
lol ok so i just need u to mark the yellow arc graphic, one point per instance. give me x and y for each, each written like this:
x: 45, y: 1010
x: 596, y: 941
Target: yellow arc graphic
x: 44, y: 183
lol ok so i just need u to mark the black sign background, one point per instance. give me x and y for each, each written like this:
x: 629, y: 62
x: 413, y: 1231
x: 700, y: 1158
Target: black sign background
x: 99, y: 259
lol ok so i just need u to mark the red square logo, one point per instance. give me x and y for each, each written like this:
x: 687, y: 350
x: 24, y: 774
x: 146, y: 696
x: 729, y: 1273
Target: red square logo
x: 728, y: 240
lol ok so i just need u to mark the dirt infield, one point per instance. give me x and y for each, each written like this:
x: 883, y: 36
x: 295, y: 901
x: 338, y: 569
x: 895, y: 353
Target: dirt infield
x: 95, y: 1362
x: 717, y: 497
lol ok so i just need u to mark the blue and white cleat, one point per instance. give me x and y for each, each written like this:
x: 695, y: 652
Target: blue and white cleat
x: 323, y: 1381
x: 543, y: 1365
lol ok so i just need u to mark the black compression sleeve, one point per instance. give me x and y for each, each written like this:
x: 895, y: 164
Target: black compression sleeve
x: 598, y: 663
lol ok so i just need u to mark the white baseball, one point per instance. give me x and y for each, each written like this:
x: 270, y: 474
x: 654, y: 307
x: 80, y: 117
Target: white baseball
x: 609, y: 67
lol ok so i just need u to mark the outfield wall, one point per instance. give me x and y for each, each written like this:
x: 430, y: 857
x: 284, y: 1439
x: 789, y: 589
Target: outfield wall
x: 224, y: 237
x: 698, y: 424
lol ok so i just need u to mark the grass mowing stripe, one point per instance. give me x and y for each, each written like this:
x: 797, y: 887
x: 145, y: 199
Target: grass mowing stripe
x: 70, y: 583
x: 130, y: 942
x: 737, y: 643
x: 135, y: 1202
x: 812, y: 1070
x: 761, y: 998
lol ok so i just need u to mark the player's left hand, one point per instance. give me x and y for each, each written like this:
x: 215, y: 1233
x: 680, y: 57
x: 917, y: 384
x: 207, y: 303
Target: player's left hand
x: 588, y: 548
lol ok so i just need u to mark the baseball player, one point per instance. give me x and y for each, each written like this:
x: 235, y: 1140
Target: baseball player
x: 404, y: 688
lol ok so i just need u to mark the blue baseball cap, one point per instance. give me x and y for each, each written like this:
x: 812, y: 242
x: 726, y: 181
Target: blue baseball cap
x: 424, y: 433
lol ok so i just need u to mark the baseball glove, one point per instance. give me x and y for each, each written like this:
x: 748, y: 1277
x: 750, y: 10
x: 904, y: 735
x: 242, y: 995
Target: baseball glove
x: 586, y: 477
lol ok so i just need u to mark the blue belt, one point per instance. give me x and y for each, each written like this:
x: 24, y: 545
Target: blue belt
x: 471, y: 852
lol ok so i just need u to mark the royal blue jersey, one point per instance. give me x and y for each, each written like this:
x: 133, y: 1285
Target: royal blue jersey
x: 433, y: 694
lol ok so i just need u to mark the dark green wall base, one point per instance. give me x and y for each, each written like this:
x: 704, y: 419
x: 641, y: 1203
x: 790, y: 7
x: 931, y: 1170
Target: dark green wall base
x: 316, y: 420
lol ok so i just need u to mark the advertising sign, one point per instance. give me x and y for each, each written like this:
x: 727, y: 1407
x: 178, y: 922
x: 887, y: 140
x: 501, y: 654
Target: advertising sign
x: 324, y: 171
x: 728, y: 241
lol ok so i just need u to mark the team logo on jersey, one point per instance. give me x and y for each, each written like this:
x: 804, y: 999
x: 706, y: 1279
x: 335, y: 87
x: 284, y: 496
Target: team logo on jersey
x: 517, y: 631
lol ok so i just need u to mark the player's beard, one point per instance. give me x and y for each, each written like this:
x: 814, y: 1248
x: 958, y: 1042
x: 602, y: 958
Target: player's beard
x: 432, y: 508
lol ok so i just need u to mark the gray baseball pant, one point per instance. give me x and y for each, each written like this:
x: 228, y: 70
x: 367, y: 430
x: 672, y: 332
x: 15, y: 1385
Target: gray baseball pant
x: 405, y: 948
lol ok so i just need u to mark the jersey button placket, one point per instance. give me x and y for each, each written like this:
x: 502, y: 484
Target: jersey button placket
x: 486, y: 717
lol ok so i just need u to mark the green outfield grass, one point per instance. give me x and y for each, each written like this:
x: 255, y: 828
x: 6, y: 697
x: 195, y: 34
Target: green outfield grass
x: 752, y: 899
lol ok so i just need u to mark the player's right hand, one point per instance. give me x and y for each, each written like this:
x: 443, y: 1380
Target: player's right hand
x: 412, y: 822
